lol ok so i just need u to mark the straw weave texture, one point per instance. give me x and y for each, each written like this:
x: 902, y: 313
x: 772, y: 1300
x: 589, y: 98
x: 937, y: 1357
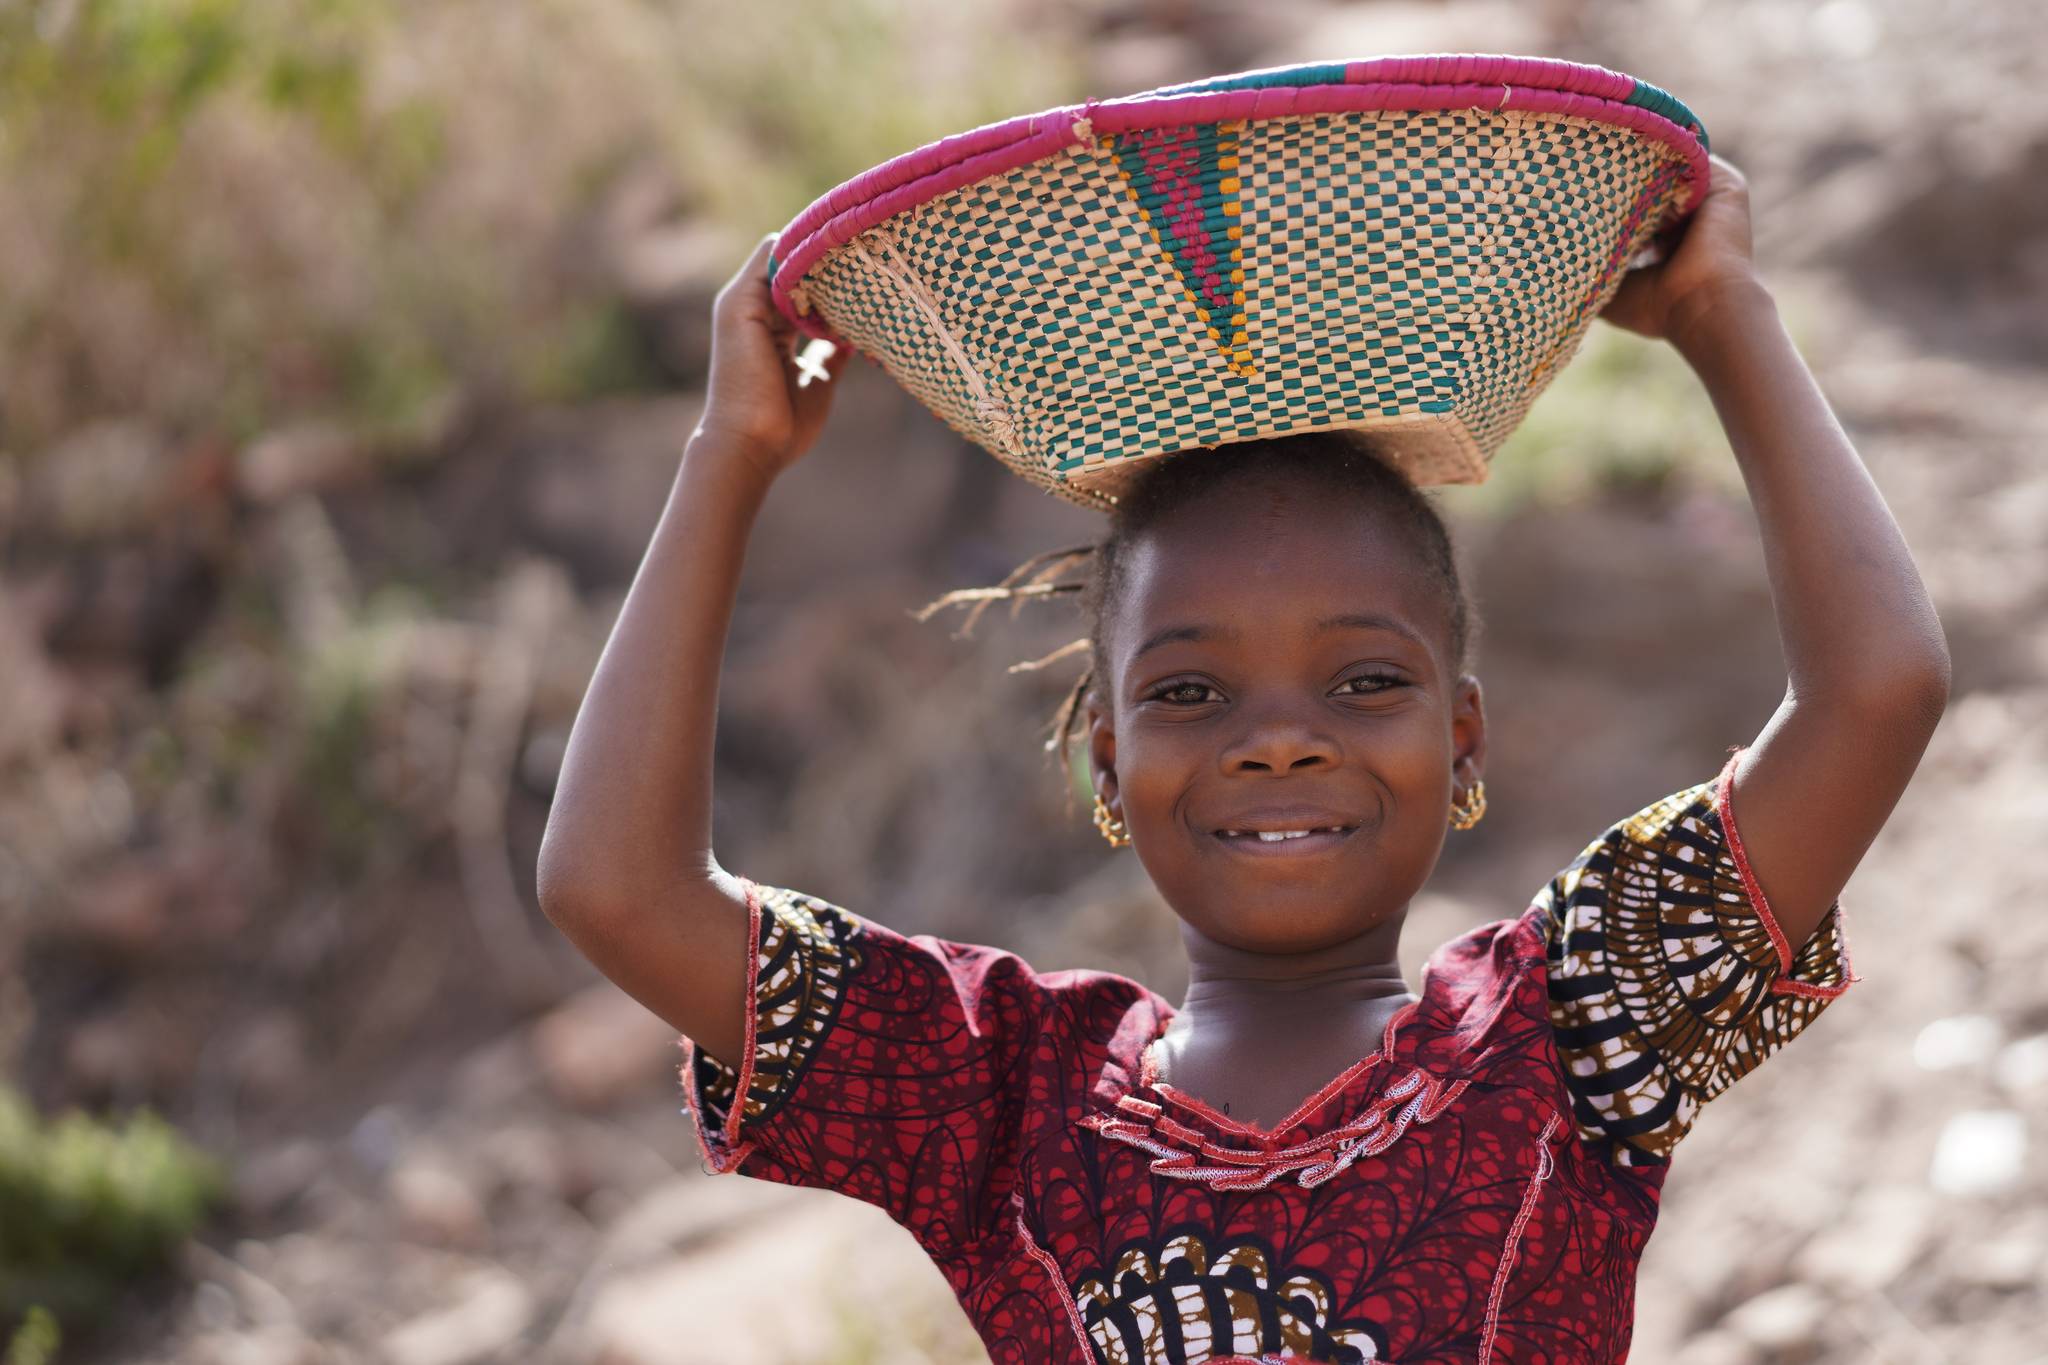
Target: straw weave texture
x: 1418, y: 275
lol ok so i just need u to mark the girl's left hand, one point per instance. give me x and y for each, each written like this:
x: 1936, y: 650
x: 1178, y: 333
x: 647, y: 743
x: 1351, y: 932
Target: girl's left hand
x: 1712, y: 251
x: 754, y: 398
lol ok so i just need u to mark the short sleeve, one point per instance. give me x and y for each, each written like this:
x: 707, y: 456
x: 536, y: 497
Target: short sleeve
x: 893, y: 1069
x: 1669, y: 976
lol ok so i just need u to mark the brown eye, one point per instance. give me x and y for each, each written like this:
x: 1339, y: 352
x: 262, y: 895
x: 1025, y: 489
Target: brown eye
x: 1166, y: 693
x: 1387, y: 680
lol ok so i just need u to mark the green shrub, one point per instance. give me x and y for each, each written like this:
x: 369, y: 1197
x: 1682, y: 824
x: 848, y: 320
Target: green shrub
x: 37, y: 1340
x: 86, y: 1207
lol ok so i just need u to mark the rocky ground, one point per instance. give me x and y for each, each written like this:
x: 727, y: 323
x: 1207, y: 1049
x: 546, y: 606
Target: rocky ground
x: 453, y: 1145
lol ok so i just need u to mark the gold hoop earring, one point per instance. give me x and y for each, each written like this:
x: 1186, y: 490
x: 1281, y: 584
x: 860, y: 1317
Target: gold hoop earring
x: 1466, y: 814
x: 1112, y: 829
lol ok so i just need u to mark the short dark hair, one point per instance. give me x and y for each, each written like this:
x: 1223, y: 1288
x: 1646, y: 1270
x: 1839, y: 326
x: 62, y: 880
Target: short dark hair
x: 1347, y: 463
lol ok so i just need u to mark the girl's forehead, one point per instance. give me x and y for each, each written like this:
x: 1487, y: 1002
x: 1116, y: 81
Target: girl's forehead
x: 1276, y: 552
x: 1260, y: 601
x: 1270, y: 571
x: 1258, y: 604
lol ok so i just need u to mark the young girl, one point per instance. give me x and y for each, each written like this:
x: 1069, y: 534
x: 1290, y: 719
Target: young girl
x: 1306, y: 1159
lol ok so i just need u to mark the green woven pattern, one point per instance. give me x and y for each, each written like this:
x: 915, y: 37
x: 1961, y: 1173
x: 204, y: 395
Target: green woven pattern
x: 1419, y: 275
x: 1565, y: 187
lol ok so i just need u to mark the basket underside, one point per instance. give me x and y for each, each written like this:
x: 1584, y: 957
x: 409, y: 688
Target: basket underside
x: 1418, y: 276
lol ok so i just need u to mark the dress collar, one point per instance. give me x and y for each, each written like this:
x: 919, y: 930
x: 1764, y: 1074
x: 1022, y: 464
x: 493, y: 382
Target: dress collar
x: 1429, y: 1052
x: 1305, y: 1115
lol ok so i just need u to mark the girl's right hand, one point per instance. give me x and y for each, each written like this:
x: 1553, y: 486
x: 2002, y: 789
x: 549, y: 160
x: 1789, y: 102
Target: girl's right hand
x: 755, y: 405
x: 1702, y: 257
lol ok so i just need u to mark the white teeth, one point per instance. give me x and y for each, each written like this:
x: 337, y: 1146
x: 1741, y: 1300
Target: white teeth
x: 1274, y: 836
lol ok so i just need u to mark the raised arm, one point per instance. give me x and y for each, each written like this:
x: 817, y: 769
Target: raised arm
x: 626, y: 868
x: 1867, y: 663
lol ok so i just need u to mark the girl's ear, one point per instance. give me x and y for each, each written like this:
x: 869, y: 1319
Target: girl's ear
x: 1101, y: 738
x: 1468, y: 729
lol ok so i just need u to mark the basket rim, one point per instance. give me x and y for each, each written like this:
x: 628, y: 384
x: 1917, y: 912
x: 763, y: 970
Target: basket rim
x: 1491, y: 81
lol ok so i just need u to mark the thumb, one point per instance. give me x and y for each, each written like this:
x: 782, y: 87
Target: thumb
x: 1626, y: 306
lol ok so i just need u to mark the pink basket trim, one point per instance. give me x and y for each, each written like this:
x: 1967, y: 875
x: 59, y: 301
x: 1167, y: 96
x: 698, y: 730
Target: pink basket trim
x: 1443, y: 81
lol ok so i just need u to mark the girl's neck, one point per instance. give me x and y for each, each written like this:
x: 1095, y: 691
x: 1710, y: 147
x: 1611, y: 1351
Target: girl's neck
x: 1236, y: 985
x: 1260, y: 1033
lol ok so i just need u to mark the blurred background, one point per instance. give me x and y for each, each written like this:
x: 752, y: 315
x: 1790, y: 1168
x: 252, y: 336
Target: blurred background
x: 347, y: 348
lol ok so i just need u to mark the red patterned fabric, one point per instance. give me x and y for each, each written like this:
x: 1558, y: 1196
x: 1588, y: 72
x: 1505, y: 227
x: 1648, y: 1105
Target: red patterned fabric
x: 1479, y: 1189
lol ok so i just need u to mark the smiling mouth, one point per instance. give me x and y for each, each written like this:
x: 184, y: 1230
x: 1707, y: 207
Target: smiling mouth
x: 1285, y: 843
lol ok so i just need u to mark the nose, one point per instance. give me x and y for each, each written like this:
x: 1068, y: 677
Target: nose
x: 1278, y: 740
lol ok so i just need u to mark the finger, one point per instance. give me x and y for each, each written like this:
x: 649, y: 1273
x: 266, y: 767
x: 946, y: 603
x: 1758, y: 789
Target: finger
x: 1727, y: 177
x: 753, y: 272
x: 755, y: 267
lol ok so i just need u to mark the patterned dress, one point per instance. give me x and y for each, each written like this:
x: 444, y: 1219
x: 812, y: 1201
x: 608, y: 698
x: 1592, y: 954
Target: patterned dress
x: 1479, y: 1189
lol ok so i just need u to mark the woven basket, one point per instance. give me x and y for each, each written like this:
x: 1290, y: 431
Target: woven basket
x: 1405, y: 246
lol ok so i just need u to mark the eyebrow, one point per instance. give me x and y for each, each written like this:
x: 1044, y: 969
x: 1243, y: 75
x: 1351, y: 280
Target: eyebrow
x: 1362, y: 620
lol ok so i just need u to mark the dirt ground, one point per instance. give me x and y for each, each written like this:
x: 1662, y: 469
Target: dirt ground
x: 454, y: 1145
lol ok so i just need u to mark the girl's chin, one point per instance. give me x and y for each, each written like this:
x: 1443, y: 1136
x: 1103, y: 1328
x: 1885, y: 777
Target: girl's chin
x: 1268, y: 939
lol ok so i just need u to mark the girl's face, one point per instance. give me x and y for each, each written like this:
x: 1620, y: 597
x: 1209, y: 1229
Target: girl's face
x: 1279, y: 662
